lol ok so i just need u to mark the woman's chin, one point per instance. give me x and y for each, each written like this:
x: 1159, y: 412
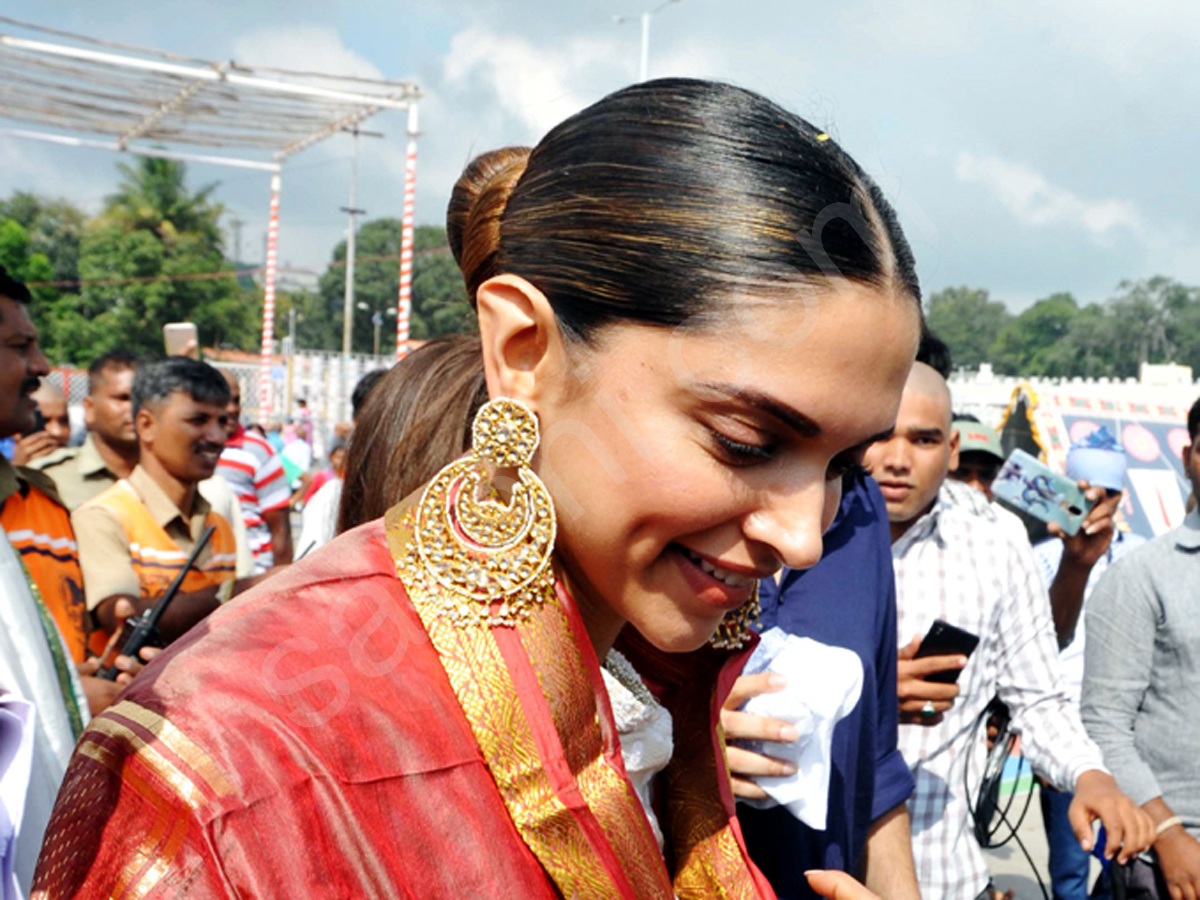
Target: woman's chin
x: 677, y: 637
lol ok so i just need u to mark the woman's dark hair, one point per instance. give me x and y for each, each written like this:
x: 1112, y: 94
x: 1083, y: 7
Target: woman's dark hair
x: 935, y: 353
x: 363, y: 389
x: 650, y: 205
x: 414, y: 421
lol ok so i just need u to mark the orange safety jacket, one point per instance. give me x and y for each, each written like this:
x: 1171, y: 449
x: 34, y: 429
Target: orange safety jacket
x: 155, y: 555
x: 39, y: 528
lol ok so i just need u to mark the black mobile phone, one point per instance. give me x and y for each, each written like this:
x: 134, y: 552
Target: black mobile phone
x: 944, y: 639
x: 39, y: 424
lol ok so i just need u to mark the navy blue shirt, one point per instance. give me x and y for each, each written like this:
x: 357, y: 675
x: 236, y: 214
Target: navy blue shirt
x: 847, y: 600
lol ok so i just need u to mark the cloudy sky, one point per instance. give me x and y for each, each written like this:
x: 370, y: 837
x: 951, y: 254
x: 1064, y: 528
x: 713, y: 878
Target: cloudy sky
x: 1030, y: 148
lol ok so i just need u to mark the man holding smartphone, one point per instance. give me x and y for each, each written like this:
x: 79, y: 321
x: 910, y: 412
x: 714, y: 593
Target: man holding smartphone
x: 1071, y: 566
x: 954, y: 561
x: 1141, y: 682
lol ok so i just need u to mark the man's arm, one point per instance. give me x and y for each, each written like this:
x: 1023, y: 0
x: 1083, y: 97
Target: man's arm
x: 281, y: 533
x: 184, y: 612
x: 104, y: 561
x: 1177, y: 851
x: 887, y: 863
x: 275, y: 501
x: 108, y: 577
x: 1122, y: 626
x: 888, y: 867
x: 1080, y: 553
x: 1052, y: 734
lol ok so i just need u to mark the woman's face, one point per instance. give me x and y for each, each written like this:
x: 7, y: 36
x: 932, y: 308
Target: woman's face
x: 686, y: 464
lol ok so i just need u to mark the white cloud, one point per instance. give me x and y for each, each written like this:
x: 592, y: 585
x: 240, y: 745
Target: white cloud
x: 1036, y: 202
x: 304, y: 48
x: 538, y: 86
x: 79, y: 175
x: 1130, y: 38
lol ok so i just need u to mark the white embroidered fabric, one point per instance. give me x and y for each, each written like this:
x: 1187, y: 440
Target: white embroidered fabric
x: 645, y: 729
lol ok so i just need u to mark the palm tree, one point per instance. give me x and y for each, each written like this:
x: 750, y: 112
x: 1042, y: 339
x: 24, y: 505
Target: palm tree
x: 153, y: 195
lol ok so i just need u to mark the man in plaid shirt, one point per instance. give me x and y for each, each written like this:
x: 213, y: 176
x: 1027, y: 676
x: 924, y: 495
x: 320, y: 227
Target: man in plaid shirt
x: 955, y: 561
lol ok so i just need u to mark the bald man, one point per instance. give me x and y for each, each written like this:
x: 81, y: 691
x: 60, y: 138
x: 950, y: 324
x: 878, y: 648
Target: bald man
x: 956, y: 562
x: 55, y: 429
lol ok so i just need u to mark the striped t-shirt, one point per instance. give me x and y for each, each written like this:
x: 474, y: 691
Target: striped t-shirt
x: 255, y: 475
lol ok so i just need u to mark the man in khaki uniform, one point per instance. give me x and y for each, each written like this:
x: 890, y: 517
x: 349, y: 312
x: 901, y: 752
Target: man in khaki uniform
x: 110, y: 450
x: 136, y: 536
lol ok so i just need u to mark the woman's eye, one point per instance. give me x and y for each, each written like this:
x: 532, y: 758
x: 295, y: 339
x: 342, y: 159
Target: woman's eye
x: 741, y: 453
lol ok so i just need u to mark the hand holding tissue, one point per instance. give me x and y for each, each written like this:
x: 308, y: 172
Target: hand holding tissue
x: 824, y: 684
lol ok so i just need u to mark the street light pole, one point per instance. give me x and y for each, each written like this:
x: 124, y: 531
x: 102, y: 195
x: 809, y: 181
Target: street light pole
x: 353, y: 211
x: 348, y: 299
x: 644, y: 66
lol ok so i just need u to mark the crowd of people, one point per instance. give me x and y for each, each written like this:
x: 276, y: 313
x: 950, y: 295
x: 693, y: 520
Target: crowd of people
x: 701, y: 430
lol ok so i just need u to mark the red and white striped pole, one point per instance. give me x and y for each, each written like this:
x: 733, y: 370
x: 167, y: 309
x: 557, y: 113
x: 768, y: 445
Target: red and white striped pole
x: 404, y: 301
x: 268, y: 328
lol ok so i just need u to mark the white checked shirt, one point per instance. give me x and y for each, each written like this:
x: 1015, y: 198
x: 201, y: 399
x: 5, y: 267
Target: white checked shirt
x: 958, y: 563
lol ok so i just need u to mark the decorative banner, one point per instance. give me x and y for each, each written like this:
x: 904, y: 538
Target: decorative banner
x: 1153, y: 436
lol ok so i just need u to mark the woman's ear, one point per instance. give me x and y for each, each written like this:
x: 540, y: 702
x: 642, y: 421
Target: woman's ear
x: 522, y: 343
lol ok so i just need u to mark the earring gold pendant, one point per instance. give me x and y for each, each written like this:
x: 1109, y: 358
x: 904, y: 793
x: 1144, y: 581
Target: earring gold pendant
x: 737, y: 626
x: 485, y: 526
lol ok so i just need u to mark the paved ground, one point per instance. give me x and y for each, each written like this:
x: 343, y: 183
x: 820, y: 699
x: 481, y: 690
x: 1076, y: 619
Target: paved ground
x: 1010, y: 869
x: 1008, y: 865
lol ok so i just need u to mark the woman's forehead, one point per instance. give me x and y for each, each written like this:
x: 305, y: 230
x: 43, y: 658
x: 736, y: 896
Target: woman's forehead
x: 860, y: 346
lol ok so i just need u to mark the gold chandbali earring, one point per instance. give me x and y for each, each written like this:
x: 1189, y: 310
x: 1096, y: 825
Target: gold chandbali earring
x: 738, y: 625
x: 481, y: 558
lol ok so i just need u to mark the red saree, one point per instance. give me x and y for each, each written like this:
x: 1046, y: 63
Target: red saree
x: 316, y: 738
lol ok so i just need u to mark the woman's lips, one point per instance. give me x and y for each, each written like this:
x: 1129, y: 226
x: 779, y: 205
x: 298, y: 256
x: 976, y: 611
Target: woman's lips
x: 710, y: 589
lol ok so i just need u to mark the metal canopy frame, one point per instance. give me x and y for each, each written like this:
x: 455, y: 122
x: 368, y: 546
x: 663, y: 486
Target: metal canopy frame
x: 136, y: 100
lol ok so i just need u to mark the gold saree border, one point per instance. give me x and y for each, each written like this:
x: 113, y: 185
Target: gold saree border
x: 559, y: 664
x: 169, y: 772
x: 710, y: 858
x: 487, y: 694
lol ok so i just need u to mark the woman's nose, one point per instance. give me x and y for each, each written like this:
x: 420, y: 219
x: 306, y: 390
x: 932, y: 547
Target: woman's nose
x: 793, y: 525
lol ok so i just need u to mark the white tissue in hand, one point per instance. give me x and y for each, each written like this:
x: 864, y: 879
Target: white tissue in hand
x: 823, y: 686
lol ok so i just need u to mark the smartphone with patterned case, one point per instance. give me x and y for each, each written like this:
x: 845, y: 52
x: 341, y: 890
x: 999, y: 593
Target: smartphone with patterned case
x: 1030, y: 485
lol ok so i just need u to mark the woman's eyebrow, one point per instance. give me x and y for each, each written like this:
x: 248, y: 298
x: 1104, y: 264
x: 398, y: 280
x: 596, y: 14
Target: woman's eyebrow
x: 788, y: 415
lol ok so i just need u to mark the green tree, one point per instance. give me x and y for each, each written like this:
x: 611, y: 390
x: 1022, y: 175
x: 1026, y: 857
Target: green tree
x: 55, y: 228
x: 1148, y: 315
x: 1088, y: 350
x: 163, y: 243
x: 1027, y: 345
x: 314, y: 330
x: 968, y: 320
x: 439, y: 304
x: 18, y: 256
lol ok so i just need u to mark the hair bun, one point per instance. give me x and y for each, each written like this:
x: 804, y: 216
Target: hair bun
x: 476, y: 206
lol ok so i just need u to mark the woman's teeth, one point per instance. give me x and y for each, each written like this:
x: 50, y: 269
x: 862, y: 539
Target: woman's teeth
x: 730, y: 578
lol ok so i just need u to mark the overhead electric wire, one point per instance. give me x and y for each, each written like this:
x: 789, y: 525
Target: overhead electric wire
x: 228, y: 273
